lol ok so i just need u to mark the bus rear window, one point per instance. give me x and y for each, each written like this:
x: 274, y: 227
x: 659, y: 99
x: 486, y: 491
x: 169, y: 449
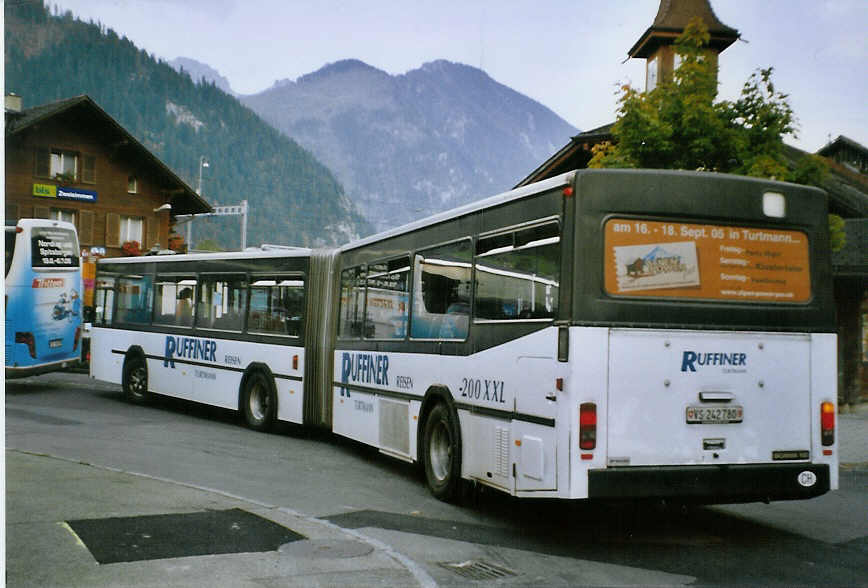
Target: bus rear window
x: 53, y: 247
x: 705, y: 262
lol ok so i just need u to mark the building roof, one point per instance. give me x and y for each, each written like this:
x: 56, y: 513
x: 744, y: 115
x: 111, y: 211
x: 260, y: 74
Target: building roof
x: 673, y: 17
x: 827, y: 150
x: 82, y: 108
x: 573, y: 155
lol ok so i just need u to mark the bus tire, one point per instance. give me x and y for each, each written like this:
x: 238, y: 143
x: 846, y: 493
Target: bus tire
x: 442, y: 453
x: 259, y: 402
x: 135, y: 380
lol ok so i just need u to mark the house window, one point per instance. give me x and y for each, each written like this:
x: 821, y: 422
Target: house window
x: 132, y: 185
x: 131, y: 228
x: 64, y: 165
x: 651, y: 74
x: 62, y: 215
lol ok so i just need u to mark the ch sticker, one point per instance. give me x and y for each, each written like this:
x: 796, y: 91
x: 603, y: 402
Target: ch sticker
x: 807, y: 479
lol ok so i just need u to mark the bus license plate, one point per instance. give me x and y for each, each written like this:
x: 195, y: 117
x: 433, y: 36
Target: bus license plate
x: 55, y: 343
x: 714, y: 415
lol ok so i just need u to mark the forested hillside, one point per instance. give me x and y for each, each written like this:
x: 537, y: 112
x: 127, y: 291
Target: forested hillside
x: 293, y: 198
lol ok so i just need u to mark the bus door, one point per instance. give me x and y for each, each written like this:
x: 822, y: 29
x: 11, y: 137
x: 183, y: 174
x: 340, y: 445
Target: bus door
x: 173, y: 368
x: 683, y: 398
x: 535, y: 413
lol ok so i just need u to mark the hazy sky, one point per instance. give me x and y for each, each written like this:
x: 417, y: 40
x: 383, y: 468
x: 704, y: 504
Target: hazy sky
x: 567, y: 54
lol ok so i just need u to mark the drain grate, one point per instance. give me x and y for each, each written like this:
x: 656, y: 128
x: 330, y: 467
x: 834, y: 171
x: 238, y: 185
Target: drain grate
x: 478, y: 570
x: 124, y: 539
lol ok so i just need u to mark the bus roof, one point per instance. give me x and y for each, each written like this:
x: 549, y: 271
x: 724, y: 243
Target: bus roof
x: 256, y: 254
x: 524, y: 191
x: 38, y: 222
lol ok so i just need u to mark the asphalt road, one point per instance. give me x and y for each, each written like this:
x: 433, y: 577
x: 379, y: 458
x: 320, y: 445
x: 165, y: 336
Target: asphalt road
x: 821, y: 541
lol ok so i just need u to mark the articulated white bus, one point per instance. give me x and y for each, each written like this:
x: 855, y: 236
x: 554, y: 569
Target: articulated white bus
x: 602, y: 334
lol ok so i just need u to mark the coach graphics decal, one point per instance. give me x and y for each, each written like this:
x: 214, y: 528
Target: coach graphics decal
x: 364, y: 368
x: 731, y: 362
x: 188, y: 348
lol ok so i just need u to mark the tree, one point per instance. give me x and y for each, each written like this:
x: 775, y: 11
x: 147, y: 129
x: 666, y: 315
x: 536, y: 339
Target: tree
x: 678, y: 125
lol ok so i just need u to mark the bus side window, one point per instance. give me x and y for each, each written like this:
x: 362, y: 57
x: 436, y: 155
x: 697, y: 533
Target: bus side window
x: 276, y: 306
x: 134, y: 299
x: 386, y: 309
x: 441, y: 292
x: 352, y: 304
x: 104, y: 300
x: 173, y: 304
x: 518, y: 274
x: 221, y: 303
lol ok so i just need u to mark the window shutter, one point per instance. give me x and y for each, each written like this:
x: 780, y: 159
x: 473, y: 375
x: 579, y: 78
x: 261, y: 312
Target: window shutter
x: 112, y: 230
x: 41, y: 212
x: 85, y: 227
x: 88, y: 169
x: 12, y: 212
x: 42, y: 163
x: 153, y: 235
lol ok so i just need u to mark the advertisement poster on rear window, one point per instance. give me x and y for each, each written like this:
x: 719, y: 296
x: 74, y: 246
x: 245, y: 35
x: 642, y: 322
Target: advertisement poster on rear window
x: 711, y: 262
x: 53, y: 248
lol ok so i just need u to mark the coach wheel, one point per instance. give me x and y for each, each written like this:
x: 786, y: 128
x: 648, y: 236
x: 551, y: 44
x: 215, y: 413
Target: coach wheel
x: 259, y: 402
x: 442, y: 453
x: 135, y: 380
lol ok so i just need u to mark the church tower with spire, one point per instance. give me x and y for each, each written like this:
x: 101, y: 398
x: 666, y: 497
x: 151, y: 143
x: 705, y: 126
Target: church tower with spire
x: 656, y: 45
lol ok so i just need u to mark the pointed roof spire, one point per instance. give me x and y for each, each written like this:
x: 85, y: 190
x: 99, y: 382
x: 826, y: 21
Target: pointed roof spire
x: 672, y: 18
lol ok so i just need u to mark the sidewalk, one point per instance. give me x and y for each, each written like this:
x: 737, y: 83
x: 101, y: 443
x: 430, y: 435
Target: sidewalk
x: 853, y: 438
x: 47, y: 497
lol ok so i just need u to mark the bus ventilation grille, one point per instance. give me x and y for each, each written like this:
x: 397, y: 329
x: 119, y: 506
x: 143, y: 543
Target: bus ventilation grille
x: 478, y: 570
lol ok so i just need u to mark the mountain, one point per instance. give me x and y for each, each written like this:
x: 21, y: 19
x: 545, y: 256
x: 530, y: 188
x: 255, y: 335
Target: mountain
x: 406, y: 146
x: 200, y: 71
x: 294, y: 199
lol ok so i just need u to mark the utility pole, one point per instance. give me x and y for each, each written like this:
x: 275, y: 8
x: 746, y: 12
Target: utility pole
x: 230, y: 210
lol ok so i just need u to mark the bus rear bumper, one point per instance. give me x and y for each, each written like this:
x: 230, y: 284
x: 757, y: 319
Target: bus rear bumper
x: 35, y: 370
x: 712, y: 484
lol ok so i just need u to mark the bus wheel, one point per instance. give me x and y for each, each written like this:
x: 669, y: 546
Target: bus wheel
x: 442, y: 453
x: 259, y: 402
x: 135, y: 380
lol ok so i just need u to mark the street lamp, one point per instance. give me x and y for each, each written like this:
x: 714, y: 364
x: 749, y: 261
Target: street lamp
x: 202, y: 163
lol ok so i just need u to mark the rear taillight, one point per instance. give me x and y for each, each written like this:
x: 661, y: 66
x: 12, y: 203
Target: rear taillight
x: 827, y: 423
x: 27, y: 339
x: 587, y: 425
x: 77, y: 338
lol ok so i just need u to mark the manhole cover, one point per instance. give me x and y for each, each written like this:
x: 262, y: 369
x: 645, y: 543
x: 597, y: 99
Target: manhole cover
x: 478, y: 570
x: 124, y: 539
